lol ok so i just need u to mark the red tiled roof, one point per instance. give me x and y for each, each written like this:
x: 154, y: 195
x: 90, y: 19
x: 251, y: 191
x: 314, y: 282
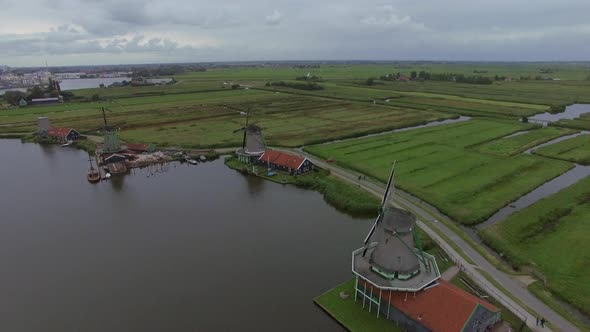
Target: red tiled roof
x: 282, y: 159
x: 444, y: 307
x: 58, y: 132
x: 137, y: 146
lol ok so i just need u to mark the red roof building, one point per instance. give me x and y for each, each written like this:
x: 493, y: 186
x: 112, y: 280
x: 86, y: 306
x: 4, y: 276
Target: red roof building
x: 140, y: 147
x: 63, y: 134
x: 285, y: 161
x: 443, y: 307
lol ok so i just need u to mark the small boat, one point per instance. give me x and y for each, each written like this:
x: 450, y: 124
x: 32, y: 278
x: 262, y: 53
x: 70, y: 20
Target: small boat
x: 68, y: 143
x: 93, y: 174
x: 190, y: 160
x: 202, y: 158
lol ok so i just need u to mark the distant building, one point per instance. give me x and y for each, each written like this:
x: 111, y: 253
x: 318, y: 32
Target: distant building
x: 286, y: 162
x: 22, y: 103
x: 140, y: 147
x: 109, y: 158
x: 43, y: 101
x: 63, y: 135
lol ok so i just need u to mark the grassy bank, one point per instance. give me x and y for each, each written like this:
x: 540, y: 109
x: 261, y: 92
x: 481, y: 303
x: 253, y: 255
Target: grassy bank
x: 514, y: 145
x: 351, y: 315
x: 575, y: 149
x: 338, y: 194
x: 442, y: 166
x: 546, y: 296
x: 550, y: 237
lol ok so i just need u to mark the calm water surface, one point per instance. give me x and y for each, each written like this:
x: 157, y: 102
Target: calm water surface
x: 196, y: 248
x: 571, y: 112
x: 88, y: 83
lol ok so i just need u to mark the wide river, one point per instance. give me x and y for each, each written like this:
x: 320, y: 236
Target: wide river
x: 186, y: 248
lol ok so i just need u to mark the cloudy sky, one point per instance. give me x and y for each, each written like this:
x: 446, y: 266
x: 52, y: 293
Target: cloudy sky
x: 64, y: 32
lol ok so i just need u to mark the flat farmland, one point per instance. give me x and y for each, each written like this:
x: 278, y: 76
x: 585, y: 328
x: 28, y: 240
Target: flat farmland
x: 510, y: 146
x: 286, y: 121
x: 582, y: 122
x: 86, y: 116
x: 526, y: 92
x: 440, y: 165
x: 552, y: 236
x: 208, y: 119
x: 575, y: 149
x: 421, y: 101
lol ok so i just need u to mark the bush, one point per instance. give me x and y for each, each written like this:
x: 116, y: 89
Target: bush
x: 557, y: 109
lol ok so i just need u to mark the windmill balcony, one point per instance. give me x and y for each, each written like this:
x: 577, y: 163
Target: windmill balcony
x: 427, y: 274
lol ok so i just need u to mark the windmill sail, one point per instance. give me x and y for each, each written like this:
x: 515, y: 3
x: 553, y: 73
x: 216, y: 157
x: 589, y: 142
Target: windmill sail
x: 382, y: 209
x: 245, y: 130
x: 389, y: 188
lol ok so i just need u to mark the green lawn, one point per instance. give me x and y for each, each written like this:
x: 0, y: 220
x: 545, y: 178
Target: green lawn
x: 438, y: 165
x: 352, y: 315
x: 552, y: 236
x: 575, y: 149
x: 513, y: 145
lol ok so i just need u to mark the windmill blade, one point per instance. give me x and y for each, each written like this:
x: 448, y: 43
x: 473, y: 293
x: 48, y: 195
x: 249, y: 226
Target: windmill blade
x: 371, y: 232
x: 372, y: 229
x: 243, y: 128
x: 389, y: 185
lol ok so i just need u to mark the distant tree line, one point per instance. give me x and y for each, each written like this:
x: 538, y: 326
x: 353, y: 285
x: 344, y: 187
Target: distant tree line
x: 312, y: 78
x: 427, y: 76
x: 306, y: 66
x: 296, y: 85
x: 165, y: 70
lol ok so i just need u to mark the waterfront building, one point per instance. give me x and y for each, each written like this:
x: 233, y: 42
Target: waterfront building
x: 283, y: 161
x: 63, y: 135
x: 394, y: 277
x: 252, y: 143
x: 44, y: 101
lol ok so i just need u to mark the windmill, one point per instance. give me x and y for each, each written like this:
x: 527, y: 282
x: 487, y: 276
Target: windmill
x: 109, y: 131
x: 394, y: 256
x: 252, y: 141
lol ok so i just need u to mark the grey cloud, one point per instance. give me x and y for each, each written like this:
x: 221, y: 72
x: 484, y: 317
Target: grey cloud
x: 328, y: 29
x: 273, y: 18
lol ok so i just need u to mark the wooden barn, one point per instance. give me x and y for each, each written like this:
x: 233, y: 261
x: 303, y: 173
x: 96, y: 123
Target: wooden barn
x: 285, y: 162
x: 63, y: 135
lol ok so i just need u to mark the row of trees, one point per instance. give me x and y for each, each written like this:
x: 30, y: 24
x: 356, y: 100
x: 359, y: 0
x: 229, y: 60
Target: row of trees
x: 424, y: 76
x: 296, y: 85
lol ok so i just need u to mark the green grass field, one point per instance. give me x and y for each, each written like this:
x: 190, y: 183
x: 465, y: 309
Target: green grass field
x: 582, y: 122
x: 208, y: 119
x: 439, y: 165
x: 514, y: 145
x: 527, y: 92
x: 552, y: 236
x: 575, y: 149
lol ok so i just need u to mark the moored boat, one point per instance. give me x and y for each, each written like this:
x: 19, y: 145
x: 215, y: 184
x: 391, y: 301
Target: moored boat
x: 93, y: 174
x: 190, y: 160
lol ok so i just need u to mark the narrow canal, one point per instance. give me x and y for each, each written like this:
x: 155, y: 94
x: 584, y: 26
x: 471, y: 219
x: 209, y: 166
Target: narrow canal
x: 178, y: 248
